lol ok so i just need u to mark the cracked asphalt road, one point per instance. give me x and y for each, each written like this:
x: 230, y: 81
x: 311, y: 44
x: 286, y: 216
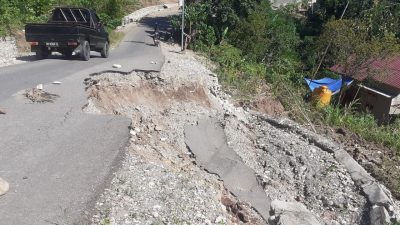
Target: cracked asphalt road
x: 207, y: 141
x: 56, y: 158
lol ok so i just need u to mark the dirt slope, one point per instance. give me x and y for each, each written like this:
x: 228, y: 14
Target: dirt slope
x: 161, y: 181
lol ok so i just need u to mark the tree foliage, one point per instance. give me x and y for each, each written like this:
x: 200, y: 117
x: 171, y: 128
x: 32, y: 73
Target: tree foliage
x: 15, y: 13
x: 353, y: 45
x: 261, y: 35
x: 289, y: 46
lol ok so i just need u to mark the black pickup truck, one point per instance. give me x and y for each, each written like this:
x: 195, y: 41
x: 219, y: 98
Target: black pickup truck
x: 69, y: 30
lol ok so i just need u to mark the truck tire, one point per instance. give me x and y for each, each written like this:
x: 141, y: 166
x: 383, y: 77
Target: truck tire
x: 42, y: 53
x: 68, y: 54
x: 85, y: 53
x: 105, y: 50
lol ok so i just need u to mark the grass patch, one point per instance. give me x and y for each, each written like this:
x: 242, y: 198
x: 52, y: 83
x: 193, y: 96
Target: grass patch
x: 239, y: 76
x: 116, y: 38
x: 244, y: 77
x: 364, y: 125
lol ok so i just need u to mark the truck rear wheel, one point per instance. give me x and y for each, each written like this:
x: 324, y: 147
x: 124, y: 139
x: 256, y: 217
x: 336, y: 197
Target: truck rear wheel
x: 85, y: 53
x: 68, y: 54
x: 105, y: 51
x: 42, y: 53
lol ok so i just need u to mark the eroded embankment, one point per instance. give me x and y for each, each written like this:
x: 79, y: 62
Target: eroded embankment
x: 159, y: 182
x: 162, y: 182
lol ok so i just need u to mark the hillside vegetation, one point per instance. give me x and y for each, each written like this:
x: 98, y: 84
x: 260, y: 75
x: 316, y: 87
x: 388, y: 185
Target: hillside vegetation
x: 255, y: 45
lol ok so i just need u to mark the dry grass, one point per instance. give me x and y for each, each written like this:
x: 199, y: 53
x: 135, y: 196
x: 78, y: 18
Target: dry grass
x: 116, y: 38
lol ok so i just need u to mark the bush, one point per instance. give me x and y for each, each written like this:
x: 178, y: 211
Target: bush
x: 244, y: 76
x: 364, y: 125
x: 227, y: 56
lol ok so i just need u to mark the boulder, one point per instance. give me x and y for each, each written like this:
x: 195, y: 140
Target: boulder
x: 4, y: 186
x: 379, y: 216
x: 279, y: 207
x: 292, y: 213
x: 294, y: 218
x: 375, y: 194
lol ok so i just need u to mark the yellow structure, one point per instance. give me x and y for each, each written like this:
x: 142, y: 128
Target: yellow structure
x: 322, y: 96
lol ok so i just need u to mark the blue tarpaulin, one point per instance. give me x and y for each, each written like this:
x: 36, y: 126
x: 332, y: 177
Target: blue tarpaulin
x: 332, y: 84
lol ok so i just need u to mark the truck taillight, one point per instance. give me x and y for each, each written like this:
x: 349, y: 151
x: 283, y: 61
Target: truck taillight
x: 34, y: 43
x: 73, y: 43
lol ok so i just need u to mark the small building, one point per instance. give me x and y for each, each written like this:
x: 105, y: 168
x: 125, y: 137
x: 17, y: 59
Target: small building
x: 377, y: 87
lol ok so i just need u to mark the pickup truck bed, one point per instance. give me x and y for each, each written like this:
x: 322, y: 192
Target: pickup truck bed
x: 79, y: 36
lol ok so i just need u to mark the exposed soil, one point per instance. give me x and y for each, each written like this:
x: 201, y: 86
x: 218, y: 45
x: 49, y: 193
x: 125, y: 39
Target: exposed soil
x: 159, y: 182
x: 264, y: 103
x: 146, y: 93
x: 39, y: 96
x: 22, y: 45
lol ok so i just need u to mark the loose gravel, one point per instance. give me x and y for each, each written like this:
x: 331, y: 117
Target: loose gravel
x: 160, y: 182
x: 149, y: 193
x: 294, y: 170
x: 9, y: 52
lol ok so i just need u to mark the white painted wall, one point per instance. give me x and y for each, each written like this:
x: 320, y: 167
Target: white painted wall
x: 395, y: 106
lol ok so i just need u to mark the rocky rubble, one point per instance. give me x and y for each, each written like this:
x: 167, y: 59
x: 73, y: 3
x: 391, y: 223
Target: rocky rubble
x: 36, y: 95
x: 8, y: 52
x: 286, y: 213
x: 159, y: 182
x: 294, y: 170
x: 150, y: 193
x: 309, y: 178
x: 377, y: 195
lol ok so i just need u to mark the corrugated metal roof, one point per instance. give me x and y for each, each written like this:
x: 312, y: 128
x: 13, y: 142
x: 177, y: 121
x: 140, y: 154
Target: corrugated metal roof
x: 385, y: 71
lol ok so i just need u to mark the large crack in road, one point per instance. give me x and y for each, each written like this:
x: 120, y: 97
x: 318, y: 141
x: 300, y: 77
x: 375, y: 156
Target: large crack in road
x: 56, y: 158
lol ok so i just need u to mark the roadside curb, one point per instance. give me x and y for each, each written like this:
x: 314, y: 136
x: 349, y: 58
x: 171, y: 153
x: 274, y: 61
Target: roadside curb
x: 382, y: 206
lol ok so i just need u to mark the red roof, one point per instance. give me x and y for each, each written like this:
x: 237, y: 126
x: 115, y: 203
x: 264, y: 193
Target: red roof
x: 386, y: 71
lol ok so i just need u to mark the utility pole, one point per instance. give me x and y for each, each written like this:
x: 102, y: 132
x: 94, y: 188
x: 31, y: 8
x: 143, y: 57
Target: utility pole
x: 329, y: 45
x: 182, y: 4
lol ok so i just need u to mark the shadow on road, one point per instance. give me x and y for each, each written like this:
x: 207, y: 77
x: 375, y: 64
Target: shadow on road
x: 167, y: 32
x: 28, y: 58
x: 138, y: 42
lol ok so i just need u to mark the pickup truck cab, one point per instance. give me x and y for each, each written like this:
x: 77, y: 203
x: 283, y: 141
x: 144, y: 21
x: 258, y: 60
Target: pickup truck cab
x: 69, y: 30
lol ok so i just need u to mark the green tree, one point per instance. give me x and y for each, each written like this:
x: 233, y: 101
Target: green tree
x: 268, y: 37
x: 8, y: 17
x: 15, y: 13
x: 353, y: 46
x: 383, y: 18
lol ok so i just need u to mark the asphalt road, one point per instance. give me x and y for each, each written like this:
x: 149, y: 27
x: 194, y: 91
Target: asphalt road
x: 57, y: 158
